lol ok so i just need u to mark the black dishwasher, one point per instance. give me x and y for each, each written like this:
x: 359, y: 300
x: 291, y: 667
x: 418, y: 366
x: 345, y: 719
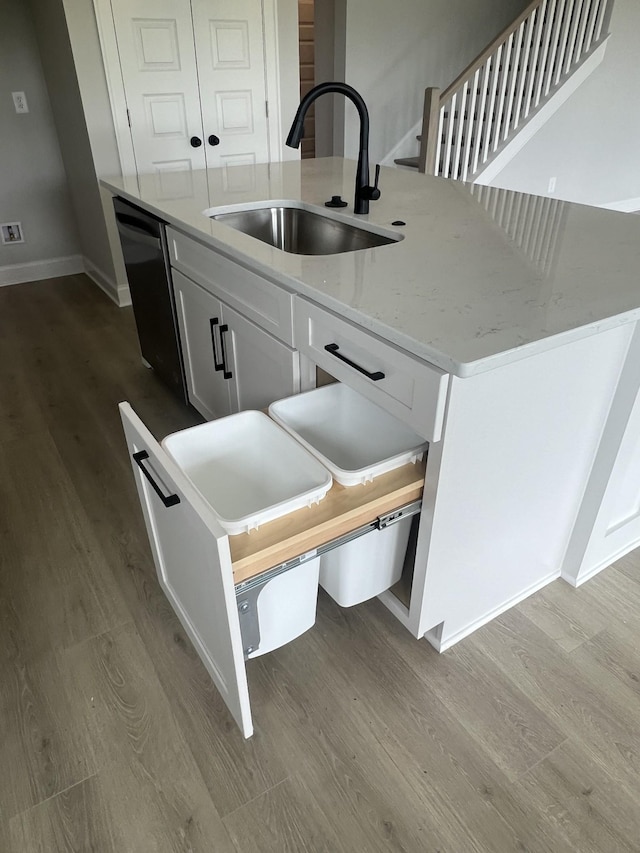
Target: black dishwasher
x: 144, y: 246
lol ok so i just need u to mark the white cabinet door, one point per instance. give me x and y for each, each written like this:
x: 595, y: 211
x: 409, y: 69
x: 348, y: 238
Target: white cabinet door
x: 191, y: 553
x: 193, y: 74
x: 231, y: 68
x: 158, y: 62
x: 200, y: 321
x: 263, y: 368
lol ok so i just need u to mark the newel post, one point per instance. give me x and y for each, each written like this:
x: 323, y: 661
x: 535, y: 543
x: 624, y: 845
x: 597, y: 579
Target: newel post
x: 430, y: 122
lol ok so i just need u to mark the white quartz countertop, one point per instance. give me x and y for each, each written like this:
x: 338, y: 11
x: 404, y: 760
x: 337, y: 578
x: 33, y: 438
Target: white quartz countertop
x: 482, y: 277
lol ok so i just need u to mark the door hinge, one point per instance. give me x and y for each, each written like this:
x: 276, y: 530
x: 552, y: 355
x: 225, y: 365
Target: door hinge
x: 266, y: 108
x: 128, y: 118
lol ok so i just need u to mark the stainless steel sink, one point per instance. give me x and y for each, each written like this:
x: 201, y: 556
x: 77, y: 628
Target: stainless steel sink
x: 301, y: 231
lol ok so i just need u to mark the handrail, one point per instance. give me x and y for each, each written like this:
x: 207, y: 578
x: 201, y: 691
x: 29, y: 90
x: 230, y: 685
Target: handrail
x: 486, y: 53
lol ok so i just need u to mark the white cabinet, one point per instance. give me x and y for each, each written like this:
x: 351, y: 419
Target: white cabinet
x: 200, y: 321
x: 218, y: 585
x: 189, y: 83
x: 231, y: 364
x: 412, y: 390
x: 262, y: 368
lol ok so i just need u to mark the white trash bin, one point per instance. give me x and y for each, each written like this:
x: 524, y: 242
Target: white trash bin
x: 365, y: 567
x: 357, y: 441
x: 251, y: 471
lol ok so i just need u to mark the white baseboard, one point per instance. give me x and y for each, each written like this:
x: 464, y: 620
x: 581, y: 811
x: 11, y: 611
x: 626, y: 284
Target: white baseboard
x: 39, y: 270
x: 118, y: 293
x: 603, y: 564
x: 441, y: 644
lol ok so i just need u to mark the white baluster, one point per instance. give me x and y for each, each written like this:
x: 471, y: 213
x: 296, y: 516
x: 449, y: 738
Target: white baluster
x: 578, y: 13
x: 439, y: 146
x: 448, y: 135
x: 469, y: 126
x: 591, y: 25
x: 602, y: 8
x: 479, y: 119
x: 533, y: 64
x: 491, y: 105
x: 459, y: 129
x: 524, y: 69
x: 502, y: 92
x: 584, y: 18
x: 554, y: 47
x: 544, y: 56
x: 564, y: 40
x: 513, y: 83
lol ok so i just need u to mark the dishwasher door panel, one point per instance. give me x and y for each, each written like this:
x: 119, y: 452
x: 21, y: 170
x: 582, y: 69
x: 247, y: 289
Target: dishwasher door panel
x: 144, y: 248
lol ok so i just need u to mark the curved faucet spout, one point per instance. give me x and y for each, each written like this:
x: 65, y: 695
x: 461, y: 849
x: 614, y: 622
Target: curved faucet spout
x: 364, y: 193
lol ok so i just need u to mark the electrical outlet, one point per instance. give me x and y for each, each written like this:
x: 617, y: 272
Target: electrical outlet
x: 20, y: 102
x: 552, y: 185
x: 11, y: 232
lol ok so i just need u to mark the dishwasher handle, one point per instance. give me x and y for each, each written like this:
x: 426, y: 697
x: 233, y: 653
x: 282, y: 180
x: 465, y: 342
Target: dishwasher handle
x: 137, y: 229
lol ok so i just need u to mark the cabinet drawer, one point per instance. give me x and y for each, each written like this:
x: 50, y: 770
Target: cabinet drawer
x: 412, y: 390
x: 220, y: 586
x: 267, y: 304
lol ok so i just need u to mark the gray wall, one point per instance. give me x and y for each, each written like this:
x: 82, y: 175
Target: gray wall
x: 394, y: 50
x: 592, y: 144
x: 86, y: 138
x: 32, y: 176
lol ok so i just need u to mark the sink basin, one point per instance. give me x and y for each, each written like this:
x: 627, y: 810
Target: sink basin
x: 301, y: 231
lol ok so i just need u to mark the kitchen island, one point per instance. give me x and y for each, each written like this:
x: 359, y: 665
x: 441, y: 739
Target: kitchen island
x: 508, y: 328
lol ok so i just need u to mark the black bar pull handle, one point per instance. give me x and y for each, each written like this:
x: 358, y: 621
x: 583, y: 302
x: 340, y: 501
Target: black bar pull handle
x: 219, y: 365
x: 374, y: 377
x: 227, y: 373
x: 167, y: 500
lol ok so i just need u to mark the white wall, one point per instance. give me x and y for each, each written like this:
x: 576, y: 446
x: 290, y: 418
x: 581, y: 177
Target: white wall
x: 83, y: 123
x: 592, y: 144
x: 32, y: 176
x: 394, y: 50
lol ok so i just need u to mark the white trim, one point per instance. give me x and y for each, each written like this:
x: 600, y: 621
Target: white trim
x: 399, y: 610
x: 117, y: 293
x: 441, y: 645
x: 630, y: 205
x: 603, y: 564
x: 526, y: 131
x: 115, y: 85
x: 39, y: 270
x: 272, y: 77
x: 117, y: 95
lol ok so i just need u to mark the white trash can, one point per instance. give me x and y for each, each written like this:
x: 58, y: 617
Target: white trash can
x: 365, y: 567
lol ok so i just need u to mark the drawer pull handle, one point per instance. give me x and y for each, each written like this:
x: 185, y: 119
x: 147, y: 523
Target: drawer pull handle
x: 167, y: 500
x: 333, y: 350
x: 213, y: 322
x: 227, y: 373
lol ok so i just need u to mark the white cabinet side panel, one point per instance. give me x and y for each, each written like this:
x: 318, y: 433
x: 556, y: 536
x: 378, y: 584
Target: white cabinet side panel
x: 504, y: 488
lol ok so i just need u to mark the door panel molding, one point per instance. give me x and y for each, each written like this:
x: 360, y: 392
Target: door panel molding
x: 117, y: 95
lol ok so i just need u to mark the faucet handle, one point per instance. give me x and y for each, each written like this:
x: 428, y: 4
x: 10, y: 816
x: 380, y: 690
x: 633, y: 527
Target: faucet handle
x: 373, y: 193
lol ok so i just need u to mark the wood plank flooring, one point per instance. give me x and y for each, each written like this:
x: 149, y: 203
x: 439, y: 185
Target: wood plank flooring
x: 524, y: 737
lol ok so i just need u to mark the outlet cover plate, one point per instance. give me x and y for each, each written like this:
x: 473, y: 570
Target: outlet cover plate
x: 11, y: 232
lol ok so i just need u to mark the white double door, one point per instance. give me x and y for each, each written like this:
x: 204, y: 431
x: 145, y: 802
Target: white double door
x: 195, y: 83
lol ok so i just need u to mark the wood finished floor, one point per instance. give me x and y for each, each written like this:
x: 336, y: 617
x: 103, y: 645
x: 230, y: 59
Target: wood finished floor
x: 524, y: 737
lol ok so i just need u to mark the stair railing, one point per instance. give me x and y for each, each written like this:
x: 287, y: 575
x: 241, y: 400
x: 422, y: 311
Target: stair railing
x: 479, y: 112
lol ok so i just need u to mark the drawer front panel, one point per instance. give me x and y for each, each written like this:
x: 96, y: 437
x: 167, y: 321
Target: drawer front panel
x: 269, y: 306
x: 410, y: 389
